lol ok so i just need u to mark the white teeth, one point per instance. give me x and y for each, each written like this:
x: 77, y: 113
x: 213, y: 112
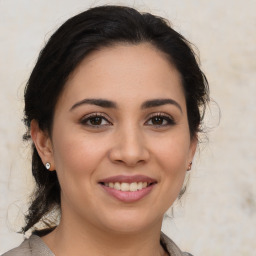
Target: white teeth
x: 117, y: 186
x: 124, y: 186
x: 144, y: 184
x: 133, y: 186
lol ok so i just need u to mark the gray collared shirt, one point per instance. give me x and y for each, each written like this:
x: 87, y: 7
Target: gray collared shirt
x: 35, y: 246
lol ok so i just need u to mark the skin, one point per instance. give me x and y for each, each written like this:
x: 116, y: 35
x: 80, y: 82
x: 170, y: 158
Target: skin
x: 128, y: 140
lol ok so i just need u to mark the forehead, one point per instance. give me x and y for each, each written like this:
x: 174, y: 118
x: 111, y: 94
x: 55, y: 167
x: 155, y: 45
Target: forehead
x: 124, y: 72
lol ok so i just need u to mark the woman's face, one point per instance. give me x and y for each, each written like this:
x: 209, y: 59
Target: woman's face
x: 120, y: 140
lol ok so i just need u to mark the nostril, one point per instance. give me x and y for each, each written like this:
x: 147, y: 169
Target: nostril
x: 130, y: 154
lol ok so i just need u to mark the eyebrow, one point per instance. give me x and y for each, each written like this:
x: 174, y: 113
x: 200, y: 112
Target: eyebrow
x: 98, y: 102
x: 160, y: 102
x: 110, y: 104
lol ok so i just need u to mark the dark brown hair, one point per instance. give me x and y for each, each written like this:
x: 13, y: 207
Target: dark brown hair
x: 68, y: 46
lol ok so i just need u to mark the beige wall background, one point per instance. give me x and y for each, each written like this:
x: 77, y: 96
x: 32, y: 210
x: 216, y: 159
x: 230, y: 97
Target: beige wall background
x: 218, y: 214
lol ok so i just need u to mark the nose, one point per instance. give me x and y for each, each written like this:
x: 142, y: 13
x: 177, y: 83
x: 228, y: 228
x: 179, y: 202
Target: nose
x: 129, y: 148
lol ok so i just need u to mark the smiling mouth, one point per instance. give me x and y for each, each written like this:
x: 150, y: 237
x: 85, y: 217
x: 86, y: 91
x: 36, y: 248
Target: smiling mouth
x: 127, y: 187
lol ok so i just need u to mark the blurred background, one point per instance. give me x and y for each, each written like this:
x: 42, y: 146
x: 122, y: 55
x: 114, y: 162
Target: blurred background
x: 217, y: 216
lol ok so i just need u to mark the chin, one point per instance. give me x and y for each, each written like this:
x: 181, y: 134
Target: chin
x: 128, y: 222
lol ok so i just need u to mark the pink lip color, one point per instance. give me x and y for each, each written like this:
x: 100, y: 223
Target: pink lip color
x: 127, y: 196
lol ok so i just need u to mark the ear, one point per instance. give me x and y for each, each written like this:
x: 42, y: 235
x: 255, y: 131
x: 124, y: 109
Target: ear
x: 42, y: 143
x: 192, y: 148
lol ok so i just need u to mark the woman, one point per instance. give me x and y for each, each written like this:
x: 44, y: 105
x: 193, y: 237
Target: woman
x: 113, y: 107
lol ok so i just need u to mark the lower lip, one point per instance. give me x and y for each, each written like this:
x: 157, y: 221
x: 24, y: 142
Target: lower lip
x: 127, y: 196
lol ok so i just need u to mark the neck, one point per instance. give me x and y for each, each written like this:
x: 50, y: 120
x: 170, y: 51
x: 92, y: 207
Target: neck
x: 76, y: 239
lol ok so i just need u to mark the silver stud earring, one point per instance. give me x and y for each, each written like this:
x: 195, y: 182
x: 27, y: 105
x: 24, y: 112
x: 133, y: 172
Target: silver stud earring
x: 47, y: 166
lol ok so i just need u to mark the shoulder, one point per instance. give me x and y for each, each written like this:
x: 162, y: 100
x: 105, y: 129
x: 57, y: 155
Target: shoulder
x: 34, y: 246
x: 171, y: 247
x: 23, y: 250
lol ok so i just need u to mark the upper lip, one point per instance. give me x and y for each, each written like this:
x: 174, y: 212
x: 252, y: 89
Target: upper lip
x: 128, y: 179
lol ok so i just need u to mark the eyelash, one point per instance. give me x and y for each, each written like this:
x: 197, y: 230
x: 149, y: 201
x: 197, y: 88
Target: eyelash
x: 91, y: 118
x: 165, y: 117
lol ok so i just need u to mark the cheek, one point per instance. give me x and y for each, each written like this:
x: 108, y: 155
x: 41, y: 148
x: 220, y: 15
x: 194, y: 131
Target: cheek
x: 172, y: 157
x: 76, y: 160
x: 76, y: 155
x: 172, y: 153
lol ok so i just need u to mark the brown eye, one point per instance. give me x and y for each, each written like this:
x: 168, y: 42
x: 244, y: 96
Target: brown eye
x: 95, y: 120
x: 160, y: 120
x: 157, y: 120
